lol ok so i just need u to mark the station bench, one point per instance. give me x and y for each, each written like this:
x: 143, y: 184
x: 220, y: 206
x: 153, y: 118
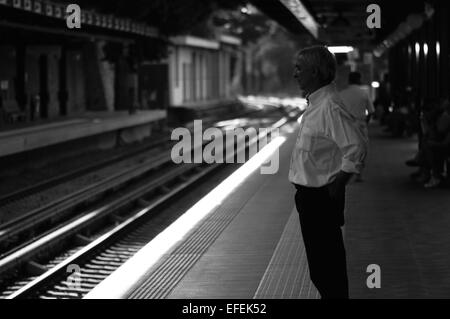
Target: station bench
x: 11, y: 112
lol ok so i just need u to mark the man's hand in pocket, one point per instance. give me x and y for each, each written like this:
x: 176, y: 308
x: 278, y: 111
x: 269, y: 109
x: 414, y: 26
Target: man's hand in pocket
x: 337, y: 187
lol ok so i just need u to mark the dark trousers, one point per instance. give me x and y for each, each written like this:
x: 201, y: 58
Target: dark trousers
x: 321, y: 218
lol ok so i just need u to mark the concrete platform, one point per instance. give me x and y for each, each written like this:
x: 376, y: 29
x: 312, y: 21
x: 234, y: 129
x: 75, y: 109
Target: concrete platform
x: 251, y: 245
x: 227, y: 254
x: 89, y: 124
x: 398, y: 225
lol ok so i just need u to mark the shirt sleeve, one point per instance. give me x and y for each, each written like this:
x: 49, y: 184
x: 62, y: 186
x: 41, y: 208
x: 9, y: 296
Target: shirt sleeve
x: 349, y: 137
x: 370, y: 107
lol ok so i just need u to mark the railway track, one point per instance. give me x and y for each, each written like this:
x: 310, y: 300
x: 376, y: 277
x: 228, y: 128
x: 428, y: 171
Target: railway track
x: 91, y: 167
x: 41, y: 218
x: 97, y: 242
x: 38, y: 189
x: 101, y: 257
x: 160, y: 141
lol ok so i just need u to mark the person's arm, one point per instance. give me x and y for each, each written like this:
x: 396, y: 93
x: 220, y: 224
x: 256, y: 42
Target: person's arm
x: 370, y: 107
x: 353, y: 145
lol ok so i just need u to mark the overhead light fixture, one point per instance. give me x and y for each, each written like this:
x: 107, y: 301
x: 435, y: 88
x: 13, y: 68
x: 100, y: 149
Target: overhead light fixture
x: 246, y: 10
x: 375, y: 84
x: 417, y: 47
x: 340, y: 49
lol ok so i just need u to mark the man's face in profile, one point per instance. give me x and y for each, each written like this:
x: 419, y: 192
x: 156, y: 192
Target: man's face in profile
x: 303, y: 75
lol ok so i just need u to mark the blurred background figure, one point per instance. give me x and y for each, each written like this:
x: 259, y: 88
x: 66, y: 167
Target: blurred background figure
x: 384, y: 100
x: 401, y: 119
x: 434, y: 145
x: 358, y: 103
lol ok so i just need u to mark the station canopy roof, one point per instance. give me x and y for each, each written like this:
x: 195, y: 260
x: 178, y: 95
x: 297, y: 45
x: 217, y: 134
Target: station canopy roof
x: 340, y: 22
x: 332, y: 22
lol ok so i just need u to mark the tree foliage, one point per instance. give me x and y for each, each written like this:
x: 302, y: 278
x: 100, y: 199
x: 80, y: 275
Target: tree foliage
x: 249, y: 25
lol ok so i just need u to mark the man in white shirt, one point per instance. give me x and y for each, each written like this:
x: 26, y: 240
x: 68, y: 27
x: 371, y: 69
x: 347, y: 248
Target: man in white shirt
x: 357, y: 100
x: 330, y: 148
x: 358, y: 103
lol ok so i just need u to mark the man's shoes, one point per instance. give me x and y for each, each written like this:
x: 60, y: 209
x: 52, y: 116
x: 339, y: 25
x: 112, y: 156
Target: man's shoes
x: 433, y: 182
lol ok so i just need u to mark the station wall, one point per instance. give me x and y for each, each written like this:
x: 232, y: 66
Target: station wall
x: 419, y: 65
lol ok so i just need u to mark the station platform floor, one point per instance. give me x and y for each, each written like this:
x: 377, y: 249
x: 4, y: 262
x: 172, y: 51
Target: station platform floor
x: 250, y: 246
x: 36, y: 135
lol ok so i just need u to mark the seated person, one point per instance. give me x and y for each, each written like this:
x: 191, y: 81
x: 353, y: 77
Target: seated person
x: 435, y: 146
x: 431, y: 110
x: 401, y: 119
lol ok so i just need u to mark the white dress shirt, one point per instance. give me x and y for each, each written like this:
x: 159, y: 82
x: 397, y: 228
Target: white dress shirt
x: 329, y: 140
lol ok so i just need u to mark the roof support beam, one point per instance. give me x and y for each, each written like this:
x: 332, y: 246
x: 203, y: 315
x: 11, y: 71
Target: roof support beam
x: 300, y: 12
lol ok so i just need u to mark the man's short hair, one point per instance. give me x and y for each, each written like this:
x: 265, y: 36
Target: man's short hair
x: 320, y: 58
x: 354, y: 78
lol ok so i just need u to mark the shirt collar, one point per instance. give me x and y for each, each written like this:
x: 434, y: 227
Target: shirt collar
x: 319, y: 94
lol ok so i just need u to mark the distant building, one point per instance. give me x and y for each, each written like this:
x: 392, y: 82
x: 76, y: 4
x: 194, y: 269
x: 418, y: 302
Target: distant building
x: 204, y: 71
